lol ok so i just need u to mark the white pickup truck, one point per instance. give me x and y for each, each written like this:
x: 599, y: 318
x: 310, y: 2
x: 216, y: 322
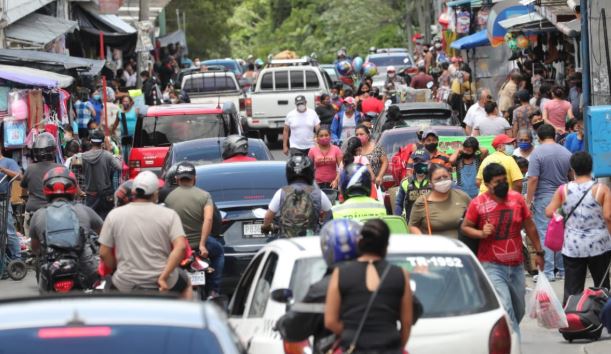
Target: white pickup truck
x: 274, y: 94
x: 213, y: 87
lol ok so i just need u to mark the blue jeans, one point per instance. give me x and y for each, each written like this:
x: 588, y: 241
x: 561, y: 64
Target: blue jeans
x: 552, y: 259
x: 216, y: 253
x: 509, y: 283
x: 13, y: 245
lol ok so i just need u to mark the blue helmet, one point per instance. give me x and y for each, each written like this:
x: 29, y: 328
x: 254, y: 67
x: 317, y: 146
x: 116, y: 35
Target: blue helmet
x: 338, y: 240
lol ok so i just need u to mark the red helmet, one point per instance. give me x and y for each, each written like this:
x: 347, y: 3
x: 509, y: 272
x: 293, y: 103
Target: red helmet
x: 59, y: 182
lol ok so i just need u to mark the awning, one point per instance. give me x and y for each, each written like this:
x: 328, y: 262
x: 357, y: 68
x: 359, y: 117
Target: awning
x: 563, y: 18
x: 472, y: 3
x: 38, y: 30
x: 90, y: 26
x: 112, y: 21
x: 531, y: 23
x: 34, y: 77
x: 521, y: 20
x: 58, y: 63
x: 176, y: 36
x: 502, y: 11
x: 479, y: 39
x: 571, y: 28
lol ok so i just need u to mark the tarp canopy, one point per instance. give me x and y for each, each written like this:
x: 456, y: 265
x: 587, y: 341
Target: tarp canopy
x: 530, y: 17
x: 170, y: 38
x: 478, y: 39
x: 38, y: 30
x: 112, y: 21
x: 34, y: 77
x: 90, y: 26
x: 58, y: 63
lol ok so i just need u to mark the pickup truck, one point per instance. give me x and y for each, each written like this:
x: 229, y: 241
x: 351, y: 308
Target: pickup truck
x: 274, y: 94
x: 212, y: 87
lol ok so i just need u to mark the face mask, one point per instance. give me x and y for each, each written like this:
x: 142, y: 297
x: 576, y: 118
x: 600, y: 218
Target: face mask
x: 364, y: 139
x: 431, y: 147
x: 537, y: 125
x: 525, y: 145
x: 501, y: 190
x: 334, y: 96
x: 301, y: 107
x: 391, y: 75
x: 509, y: 149
x: 443, y: 186
x: 422, y: 169
x: 97, y: 97
x: 324, y: 141
x: 467, y: 156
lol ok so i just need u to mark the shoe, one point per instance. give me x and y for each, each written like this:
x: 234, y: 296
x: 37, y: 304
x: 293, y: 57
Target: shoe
x: 559, y: 277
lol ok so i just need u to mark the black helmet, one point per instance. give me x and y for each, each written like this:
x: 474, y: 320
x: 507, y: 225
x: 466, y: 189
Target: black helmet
x: 170, y: 175
x: 355, y: 180
x: 124, y: 194
x: 235, y: 145
x: 44, y: 147
x: 300, y: 167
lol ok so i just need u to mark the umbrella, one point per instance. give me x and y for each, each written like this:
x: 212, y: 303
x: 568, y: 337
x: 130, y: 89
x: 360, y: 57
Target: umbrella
x: 502, y: 11
x: 479, y: 39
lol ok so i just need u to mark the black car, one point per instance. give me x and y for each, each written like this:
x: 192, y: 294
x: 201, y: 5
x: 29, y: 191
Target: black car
x: 419, y: 114
x: 242, y: 191
x: 209, y: 150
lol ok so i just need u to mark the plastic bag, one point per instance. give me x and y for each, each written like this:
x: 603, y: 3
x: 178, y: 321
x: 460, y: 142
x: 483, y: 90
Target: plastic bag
x: 545, y: 306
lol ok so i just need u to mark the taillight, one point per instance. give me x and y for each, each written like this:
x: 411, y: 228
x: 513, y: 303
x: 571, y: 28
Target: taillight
x: 63, y: 286
x: 297, y: 347
x: 248, y: 106
x: 500, y: 338
x: 134, y: 164
x: 242, y: 104
x: 73, y: 332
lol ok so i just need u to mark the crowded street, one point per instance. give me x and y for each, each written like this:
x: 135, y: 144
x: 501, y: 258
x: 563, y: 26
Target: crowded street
x: 305, y: 177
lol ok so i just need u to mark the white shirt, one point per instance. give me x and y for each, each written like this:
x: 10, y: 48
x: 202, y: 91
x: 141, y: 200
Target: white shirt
x: 473, y: 113
x: 491, y: 125
x: 348, y: 126
x: 274, y: 204
x: 302, y: 128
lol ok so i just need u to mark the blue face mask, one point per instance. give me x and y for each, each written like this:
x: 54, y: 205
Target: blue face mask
x: 525, y: 145
x: 97, y: 97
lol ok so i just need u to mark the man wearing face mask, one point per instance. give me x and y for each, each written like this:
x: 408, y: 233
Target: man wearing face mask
x: 411, y: 188
x: 299, y: 129
x: 495, y: 218
x: 98, y: 105
x: 430, y: 141
x: 504, y: 147
x: 392, y: 83
x: 345, y: 122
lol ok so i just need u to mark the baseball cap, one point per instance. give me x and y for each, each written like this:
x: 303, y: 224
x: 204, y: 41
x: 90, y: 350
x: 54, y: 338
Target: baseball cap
x: 420, y: 156
x: 147, y: 182
x: 391, y: 68
x: 300, y: 99
x: 350, y: 100
x: 428, y: 132
x: 185, y: 169
x: 97, y: 137
x: 501, y: 139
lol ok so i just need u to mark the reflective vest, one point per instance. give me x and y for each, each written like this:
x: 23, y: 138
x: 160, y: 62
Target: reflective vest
x: 359, y: 207
x: 413, y: 190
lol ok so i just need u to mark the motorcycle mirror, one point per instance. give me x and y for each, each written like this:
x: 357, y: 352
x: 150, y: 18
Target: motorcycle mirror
x: 283, y: 296
x: 429, y: 85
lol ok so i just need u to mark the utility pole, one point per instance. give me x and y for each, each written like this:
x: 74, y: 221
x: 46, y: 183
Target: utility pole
x: 408, y: 25
x: 142, y: 16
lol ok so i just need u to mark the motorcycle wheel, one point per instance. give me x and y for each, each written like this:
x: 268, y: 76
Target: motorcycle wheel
x: 17, y: 269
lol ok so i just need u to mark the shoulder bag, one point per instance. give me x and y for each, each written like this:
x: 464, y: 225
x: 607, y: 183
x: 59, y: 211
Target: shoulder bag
x: 554, y: 236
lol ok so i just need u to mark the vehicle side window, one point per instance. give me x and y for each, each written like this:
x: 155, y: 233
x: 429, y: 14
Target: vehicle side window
x: 296, y: 80
x: 327, y: 79
x: 282, y: 80
x: 312, y: 80
x: 267, y: 82
x: 263, y: 287
x: 238, y: 305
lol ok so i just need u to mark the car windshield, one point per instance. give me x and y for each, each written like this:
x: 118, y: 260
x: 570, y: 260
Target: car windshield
x: 240, y: 186
x: 393, y: 141
x: 419, y: 122
x: 212, y: 153
x: 112, y: 339
x: 166, y: 130
x: 229, y: 65
x: 209, y: 83
x: 446, y: 284
x: 388, y: 60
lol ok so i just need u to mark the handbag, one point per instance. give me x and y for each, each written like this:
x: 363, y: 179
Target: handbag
x: 554, y: 236
x: 336, y: 349
x: 125, y: 138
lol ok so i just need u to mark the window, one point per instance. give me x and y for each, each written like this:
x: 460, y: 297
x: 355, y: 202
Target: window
x: 166, y: 130
x: 312, y: 80
x: 282, y: 80
x: 328, y: 79
x: 264, y: 285
x: 306, y: 272
x: 267, y: 82
x: 238, y: 303
x: 213, y: 83
x: 297, y: 80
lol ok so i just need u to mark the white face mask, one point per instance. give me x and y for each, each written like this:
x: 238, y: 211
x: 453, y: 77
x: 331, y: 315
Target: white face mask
x: 509, y: 149
x: 391, y: 75
x: 443, y: 186
x: 301, y: 107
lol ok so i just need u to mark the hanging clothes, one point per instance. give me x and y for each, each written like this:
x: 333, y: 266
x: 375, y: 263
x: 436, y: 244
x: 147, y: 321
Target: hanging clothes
x: 36, y: 110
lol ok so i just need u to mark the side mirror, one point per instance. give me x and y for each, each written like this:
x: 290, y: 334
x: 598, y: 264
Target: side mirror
x: 283, y: 296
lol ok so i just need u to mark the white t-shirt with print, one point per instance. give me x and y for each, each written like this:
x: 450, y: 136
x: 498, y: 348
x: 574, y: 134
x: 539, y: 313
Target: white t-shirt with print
x: 348, y: 126
x: 302, y: 128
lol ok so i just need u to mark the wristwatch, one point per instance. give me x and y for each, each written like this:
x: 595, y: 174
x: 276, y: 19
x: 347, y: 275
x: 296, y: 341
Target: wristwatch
x: 541, y: 253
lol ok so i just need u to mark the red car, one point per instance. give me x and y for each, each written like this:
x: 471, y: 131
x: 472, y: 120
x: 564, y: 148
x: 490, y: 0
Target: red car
x: 161, y: 126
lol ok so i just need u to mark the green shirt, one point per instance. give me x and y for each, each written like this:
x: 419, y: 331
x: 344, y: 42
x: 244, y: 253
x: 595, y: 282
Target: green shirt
x: 189, y: 203
x: 359, y: 207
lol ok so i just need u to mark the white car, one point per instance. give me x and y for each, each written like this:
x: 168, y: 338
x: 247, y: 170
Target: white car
x: 462, y: 312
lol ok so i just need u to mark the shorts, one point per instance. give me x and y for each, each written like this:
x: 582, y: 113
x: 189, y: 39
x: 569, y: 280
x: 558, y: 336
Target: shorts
x: 181, y: 283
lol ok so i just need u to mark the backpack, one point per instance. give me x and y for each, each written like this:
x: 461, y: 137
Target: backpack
x: 217, y: 221
x: 583, y: 314
x: 298, y: 213
x: 398, y: 163
x: 62, y: 229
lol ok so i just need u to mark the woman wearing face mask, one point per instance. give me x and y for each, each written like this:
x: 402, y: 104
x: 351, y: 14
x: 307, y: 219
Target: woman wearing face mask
x: 325, y: 110
x: 467, y: 160
x: 98, y: 106
x: 345, y: 122
x: 439, y: 212
x: 525, y: 144
x: 327, y: 157
x: 126, y: 118
x: 373, y: 152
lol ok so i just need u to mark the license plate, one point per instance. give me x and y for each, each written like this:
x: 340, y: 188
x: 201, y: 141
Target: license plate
x: 252, y: 230
x: 198, y: 278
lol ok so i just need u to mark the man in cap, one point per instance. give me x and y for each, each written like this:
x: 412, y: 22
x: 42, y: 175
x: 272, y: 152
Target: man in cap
x: 299, y: 128
x: 98, y: 168
x: 411, y: 188
x: 430, y: 143
x: 196, y: 211
x: 503, y: 146
x: 149, y: 243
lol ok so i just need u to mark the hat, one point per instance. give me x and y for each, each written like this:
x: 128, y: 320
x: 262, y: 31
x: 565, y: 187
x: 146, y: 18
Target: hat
x: 300, y: 99
x: 97, y: 137
x: 428, y: 132
x: 391, y: 68
x: 185, y: 170
x: 349, y: 100
x: 146, y: 181
x: 502, y: 139
x: 420, y: 156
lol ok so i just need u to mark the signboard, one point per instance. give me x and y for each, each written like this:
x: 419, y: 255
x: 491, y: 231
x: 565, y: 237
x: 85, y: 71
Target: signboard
x: 598, y: 131
x: 449, y: 144
x: 110, y: 7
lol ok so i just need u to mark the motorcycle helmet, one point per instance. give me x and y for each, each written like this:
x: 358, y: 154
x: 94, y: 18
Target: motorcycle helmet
x: 259, y: 63
x: 339, y: 240
x: 355, y: 180
x: 59, y: 182
x: 124, y: 194
x: 235, y: 145
x: 300, y: 167
x: 170, y: 175
x: 44, y: 148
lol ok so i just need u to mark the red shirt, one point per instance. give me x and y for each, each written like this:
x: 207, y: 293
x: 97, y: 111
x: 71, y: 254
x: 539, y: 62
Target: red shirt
x: 372, y: 104
x: 504, y: 246
x: 240, y: 158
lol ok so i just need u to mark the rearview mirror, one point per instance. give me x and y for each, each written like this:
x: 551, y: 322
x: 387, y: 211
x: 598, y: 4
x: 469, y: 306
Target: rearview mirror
x: 283, y: 296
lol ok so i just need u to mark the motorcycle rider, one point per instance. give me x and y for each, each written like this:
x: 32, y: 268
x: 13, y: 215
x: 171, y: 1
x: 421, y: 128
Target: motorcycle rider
x: 392, y: 83
x: 235, y: 149
x: 60, y: 188
x: 355, y: 186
